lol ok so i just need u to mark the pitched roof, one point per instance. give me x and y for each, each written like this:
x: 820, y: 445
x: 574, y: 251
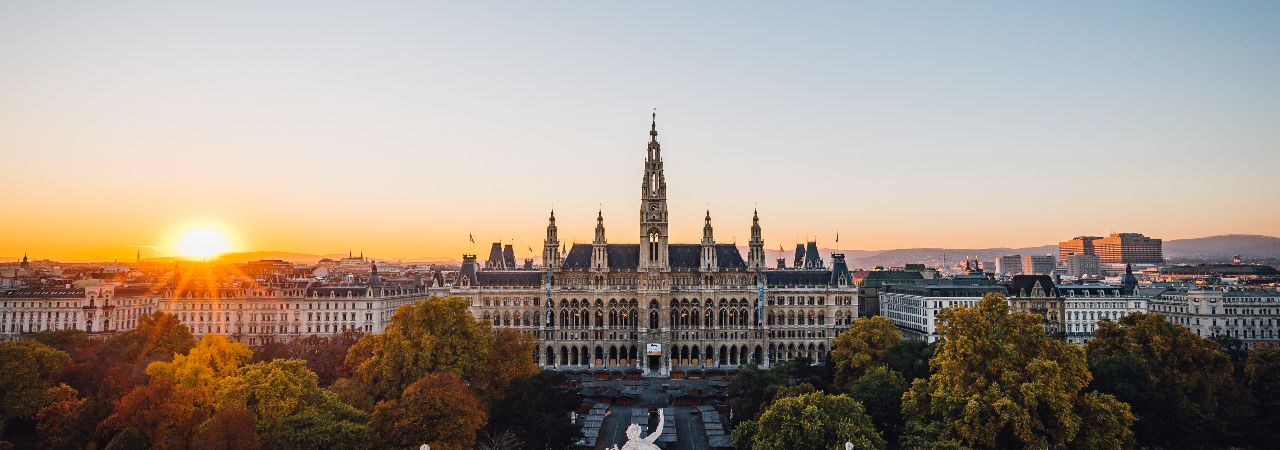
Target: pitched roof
x: 797, y: 277
x: 680, y: 256
x: 1025, y: 285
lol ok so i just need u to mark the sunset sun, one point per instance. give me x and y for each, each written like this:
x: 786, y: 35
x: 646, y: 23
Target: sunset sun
x: 202, y: 242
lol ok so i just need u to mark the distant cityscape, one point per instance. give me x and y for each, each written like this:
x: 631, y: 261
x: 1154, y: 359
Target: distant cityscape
x: 656, y: 307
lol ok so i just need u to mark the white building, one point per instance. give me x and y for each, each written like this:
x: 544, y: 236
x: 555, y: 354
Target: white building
x: 913, y: 308
x: 1252, y: 316
x: 1088, y: 304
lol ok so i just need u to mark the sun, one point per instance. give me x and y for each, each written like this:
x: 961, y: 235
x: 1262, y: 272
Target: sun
x: 202, y: 242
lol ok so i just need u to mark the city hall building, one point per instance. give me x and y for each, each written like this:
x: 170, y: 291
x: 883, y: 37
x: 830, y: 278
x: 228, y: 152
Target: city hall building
x: 663, y: 307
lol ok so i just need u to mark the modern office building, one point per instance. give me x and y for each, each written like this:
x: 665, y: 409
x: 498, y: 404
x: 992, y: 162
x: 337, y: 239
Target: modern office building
x: 1038, y: 264
x: 1129, y: 248
x: 1083, y: 265
x: 1009, y: 265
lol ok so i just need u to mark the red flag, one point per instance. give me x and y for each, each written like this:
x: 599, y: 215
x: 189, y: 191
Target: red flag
x: 473, y: 238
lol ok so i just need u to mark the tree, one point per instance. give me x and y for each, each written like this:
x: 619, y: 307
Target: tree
x: 129, y: 439
x: 27, y: 371
x: 290, y: 409
x: 438, y: 409
x: 751, y: 389
x: 511, y: 357
x: 864, y: 345
x: 1262, y: 372
x: 999, y: 381
x: 1186, y: 373
x: 880, y: 392
x: 166, y: 415
x: 430, y: 336
x: 910, y: 358
x: 158, y: 335
x: 231, y: 428
x: 202, y: 369
x: 811, y: 421
x: 534, y: 410
x: 68, y: 340
x: 53, y: 421
x: 354, y: 393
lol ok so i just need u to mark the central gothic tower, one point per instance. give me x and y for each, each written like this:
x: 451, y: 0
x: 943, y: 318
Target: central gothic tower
x: 653, y: 208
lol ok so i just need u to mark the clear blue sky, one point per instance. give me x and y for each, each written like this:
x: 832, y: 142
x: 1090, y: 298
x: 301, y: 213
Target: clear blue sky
x: 399, y: 128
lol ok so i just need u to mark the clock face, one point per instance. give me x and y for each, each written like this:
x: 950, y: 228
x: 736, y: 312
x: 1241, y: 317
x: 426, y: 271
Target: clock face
x: 653, y: 207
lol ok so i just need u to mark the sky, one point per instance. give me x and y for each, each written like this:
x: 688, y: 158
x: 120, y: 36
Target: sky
x: 398, y: 129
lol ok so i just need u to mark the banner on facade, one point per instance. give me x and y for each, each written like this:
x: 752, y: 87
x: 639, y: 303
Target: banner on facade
x: 654, y: 349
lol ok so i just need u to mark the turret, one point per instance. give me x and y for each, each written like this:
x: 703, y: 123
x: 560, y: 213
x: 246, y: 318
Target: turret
x: 600, y: 246
x: 755, y: 254
x: 708, y: 247
x: 551, y: 246
x: 799, y: 259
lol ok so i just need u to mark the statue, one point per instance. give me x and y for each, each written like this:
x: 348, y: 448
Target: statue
x: 633, y: 436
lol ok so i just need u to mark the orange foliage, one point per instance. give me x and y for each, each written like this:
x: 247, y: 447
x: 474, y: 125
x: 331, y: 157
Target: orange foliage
x: 438, y: 409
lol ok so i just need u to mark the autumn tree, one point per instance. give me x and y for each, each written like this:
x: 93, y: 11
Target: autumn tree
x: 534, y: 410
x: 864, y: 345
x: 231, y: 428
x: 810, y: 421
x: 430, y: 336
x: 439, y: 409
x: 999, y: 381
x: 55, y: 419
x: 510, y: 357
x: 201, y: 370
x: 27, y: 370
x: 1171, y: 376
x: 163, y: 413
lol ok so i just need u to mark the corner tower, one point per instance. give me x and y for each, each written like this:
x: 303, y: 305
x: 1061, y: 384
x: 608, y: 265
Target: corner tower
x: 653, y: 207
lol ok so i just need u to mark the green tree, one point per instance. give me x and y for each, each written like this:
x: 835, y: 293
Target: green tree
x: 1186, y: 373
x: 1262, y: 373
x: 27, y: 371
x: 68, y: 340
x: 910, y: 358
x: 438, y: 409
x: 430, y: 336
x: 880, y: 392
x: 129, y: 439
x: 534, y: 410
x: 807, y: 422
x: 290, y: 409
x: 864, y: 345
x: 751, y: 389
x: 1000, y: 382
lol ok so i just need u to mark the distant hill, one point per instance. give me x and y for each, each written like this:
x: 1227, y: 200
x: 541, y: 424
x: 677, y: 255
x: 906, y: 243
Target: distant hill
x: 942, y: 257
x: 305, y: 258
x: 1221, y: 247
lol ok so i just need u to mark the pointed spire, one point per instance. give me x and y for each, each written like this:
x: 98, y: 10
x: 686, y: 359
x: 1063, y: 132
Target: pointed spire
x: 653, y: 130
